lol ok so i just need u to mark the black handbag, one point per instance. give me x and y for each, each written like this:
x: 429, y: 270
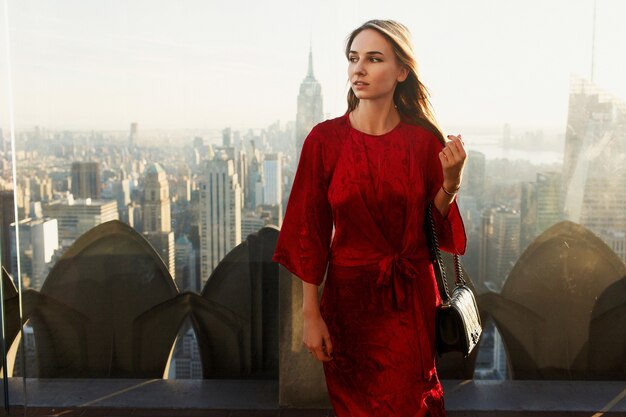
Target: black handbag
x: 457, y: 326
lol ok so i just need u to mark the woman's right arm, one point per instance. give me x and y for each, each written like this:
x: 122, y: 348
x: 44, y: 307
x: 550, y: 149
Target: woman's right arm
x: 315, y: 335
x: 303, y: 244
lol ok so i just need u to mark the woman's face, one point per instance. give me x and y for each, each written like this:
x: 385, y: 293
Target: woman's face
x: 372, y: 67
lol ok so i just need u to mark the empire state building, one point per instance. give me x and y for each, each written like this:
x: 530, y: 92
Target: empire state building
x: 309, y: 107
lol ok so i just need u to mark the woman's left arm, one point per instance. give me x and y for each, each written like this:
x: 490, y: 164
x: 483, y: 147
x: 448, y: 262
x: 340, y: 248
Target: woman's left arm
x: 452, y: 158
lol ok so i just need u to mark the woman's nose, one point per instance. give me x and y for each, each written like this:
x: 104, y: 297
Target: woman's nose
x: 358, y: 68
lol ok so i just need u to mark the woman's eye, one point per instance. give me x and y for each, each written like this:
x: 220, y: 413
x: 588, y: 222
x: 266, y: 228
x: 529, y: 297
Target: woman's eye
x: 373, y: 59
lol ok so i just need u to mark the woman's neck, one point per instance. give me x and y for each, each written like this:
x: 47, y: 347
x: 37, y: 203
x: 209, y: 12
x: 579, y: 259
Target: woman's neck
x: 374, y: 118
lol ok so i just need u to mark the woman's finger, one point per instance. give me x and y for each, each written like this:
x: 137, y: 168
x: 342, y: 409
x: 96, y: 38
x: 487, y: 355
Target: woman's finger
x: 457, y: 140
x: 449, y: 153
x: 320, y: 354
x: 456, y: 145
x: 461, y: 145
x: 328, y: 345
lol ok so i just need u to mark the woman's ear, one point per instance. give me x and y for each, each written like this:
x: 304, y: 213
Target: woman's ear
x: 404, y: 74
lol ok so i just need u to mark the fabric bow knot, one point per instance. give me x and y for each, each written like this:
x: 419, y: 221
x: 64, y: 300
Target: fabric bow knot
x: 392, y: 268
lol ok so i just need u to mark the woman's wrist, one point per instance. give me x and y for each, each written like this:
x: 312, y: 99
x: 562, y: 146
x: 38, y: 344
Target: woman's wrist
x: 311, y: 312
x: 451, y: 189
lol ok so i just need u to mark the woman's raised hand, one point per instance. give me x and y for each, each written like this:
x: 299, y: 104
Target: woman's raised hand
x: 453, y: 158
x: 317, y: 338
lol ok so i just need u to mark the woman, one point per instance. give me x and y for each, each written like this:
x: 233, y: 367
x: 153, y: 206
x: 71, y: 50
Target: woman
x: 371, y: 174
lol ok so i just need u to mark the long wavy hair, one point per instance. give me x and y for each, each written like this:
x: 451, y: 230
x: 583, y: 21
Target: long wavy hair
x: 410, y: 96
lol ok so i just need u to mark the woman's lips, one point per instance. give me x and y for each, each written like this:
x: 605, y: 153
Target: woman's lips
x: 359, y: 86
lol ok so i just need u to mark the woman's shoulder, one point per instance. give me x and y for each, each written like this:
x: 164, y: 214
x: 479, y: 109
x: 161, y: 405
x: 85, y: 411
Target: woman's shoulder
x: 330, y: 132
x: 331, y: 125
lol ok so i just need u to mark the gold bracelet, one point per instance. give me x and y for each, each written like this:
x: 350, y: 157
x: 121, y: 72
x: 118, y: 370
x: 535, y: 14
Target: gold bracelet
x: 456, y: 190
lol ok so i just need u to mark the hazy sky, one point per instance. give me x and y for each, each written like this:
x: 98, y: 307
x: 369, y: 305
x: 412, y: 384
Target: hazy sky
x: 209, y: 64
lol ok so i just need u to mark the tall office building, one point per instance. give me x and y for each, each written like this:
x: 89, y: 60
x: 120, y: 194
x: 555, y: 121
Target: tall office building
x: 253, y: 179
x: 486, y: 266
x: 548, y: 199
x: 187, y: 363
x: 41, y: 188
x: 7, y: 211
x: 616, y: 240
x: 539, y: 206
x: 186, y: 274
x: 229, y: 153
x: 309, y: 106
x: 242, y: 174
x: 499, y: 245
x: 121, y: 190
x: 156, y: 205
x: 273, y: 173
x: 528, y: 214
x: 594, y: 174
x: 251, y: 223
x: 227, y: 137
x: 219, y: 214
x: 506, y: 232
x: 39, y: 238
x: 86, y: 180
x: 157, y: 223
x: 76, y: 217
x: 22, y: 194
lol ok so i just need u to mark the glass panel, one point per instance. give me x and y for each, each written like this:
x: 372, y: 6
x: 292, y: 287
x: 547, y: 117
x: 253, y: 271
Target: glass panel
x: 544, y: 205
x: 157, y: 144
x: 12, y: 384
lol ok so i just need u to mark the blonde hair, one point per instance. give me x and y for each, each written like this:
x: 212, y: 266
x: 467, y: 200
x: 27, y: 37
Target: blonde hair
x: 410, y: 96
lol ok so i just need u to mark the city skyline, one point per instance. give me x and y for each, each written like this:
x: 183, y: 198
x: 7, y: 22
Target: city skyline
x: 198, y: 212
x: 83, y: 65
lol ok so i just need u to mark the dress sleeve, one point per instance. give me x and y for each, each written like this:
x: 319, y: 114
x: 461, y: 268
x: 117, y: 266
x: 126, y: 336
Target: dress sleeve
x: 303, y: 243
x: 450, y: 229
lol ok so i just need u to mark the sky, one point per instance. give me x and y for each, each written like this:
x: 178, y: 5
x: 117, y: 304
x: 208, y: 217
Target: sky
x: 86, y: 64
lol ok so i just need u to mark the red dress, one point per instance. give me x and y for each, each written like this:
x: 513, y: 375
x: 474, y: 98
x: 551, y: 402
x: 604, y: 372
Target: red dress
x: 380, y: 294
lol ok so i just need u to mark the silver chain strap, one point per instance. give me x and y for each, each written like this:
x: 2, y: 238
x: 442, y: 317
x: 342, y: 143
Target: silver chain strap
x: 458, y: 272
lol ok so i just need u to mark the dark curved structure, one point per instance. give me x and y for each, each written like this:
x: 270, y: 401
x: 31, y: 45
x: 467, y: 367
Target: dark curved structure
x: 110, y: 309
x: 562, y: 310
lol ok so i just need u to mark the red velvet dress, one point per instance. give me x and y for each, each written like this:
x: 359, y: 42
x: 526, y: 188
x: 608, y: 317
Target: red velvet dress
x: 380, y: 293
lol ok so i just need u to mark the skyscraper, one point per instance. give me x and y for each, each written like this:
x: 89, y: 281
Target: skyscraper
x: 156, y: 206
x: 309, y: 106
x: 76, y: 217
x: 548, y: 196
x: 594, y: 173
x: 272, y: 172
x: 39, y: 238
x: 506, y: 231
x: 227, y: 137
x: 157, y: 223
x: 499, y: 245
x: 528, y: 214
x: 186, y: 276
x: 253, y: 178
x: 86, y: 180
x: 7, y: 213
x: 539, y: 206
x: 219, y: 214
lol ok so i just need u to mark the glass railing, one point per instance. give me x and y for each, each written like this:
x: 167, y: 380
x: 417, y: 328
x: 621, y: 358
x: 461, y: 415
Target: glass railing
x: 148, y: 151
